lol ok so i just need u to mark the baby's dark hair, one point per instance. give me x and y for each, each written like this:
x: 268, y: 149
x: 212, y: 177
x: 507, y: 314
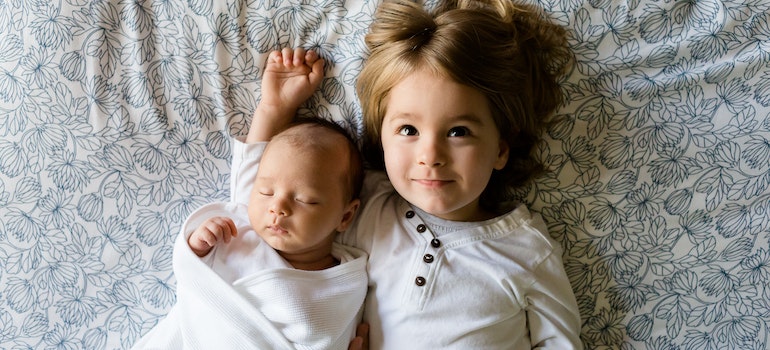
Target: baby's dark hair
x: 355, y: 173
x: 508, y: 52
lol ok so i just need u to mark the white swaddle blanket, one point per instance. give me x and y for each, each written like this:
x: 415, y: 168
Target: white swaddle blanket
x: 273, y: 308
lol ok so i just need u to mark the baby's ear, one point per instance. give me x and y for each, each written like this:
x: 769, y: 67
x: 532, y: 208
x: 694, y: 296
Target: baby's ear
x: 349, y: 214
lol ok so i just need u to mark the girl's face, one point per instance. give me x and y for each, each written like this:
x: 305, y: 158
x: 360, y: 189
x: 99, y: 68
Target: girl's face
x: 441, y: 145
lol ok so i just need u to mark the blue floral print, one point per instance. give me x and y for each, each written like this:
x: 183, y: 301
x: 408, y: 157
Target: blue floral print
x: 116, y: 121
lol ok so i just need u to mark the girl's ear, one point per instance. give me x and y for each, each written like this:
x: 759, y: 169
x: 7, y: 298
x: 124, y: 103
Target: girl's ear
x: 348, y: 215
x: 502, y: 155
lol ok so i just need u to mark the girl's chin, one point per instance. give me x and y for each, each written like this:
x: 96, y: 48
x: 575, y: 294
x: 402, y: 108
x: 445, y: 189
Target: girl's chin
x: 438, y: 211
x: 454, y: 214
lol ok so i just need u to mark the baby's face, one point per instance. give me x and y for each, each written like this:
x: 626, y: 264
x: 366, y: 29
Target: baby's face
x: 298, y: 202
x: 441, y: 145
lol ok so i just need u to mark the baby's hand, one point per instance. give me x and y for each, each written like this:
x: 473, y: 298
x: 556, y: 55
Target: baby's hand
x: 361, y: 341
x: 291, y: 77
x: 211, y: 232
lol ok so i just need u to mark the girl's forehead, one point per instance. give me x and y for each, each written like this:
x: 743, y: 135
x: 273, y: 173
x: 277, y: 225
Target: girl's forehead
x: 424, y: 94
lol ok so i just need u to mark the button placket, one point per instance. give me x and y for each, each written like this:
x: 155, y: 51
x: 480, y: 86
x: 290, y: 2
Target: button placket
x: 427, y: 258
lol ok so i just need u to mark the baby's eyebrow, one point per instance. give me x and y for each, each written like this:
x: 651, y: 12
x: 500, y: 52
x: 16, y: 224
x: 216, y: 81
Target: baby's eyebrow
x: 263, y: 178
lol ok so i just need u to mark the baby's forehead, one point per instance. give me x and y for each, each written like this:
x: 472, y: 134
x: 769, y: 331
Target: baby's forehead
x: 301, y: 129
x: 310, y: 137
x: 316, y: 156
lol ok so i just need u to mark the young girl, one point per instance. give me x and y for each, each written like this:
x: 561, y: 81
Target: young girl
x: 453, y: 104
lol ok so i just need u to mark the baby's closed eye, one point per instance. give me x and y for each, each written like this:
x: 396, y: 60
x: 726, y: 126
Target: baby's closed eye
x: 307, y: 200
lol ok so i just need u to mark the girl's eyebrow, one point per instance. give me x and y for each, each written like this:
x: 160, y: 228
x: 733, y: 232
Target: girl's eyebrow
x: 467, y: 118
x: 400, y: 116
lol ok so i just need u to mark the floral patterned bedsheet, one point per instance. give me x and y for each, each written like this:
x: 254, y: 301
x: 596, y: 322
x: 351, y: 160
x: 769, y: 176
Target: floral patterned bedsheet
x: 116, y: 119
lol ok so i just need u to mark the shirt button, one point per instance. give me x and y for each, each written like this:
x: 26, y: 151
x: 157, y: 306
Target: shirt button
x: 420, y: 281
x: 421, y: 228
x: 409, y: 214
x: 435, y: 243
x: 427, y: 258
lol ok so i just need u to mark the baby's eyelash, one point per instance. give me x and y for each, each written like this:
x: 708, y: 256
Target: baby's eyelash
x: 306, y: 201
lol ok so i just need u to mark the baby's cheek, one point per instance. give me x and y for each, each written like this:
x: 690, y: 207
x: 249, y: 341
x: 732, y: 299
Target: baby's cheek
x: 256, y: 212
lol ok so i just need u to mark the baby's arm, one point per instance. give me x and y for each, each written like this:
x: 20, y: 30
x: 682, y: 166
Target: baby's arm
x: 212, y: 231
x: 290, y: 78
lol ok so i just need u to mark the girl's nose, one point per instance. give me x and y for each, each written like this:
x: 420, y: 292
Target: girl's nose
x: 431, y: 153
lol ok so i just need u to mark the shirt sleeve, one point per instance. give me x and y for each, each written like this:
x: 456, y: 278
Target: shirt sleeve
x: 552, y: 312
x: 243, y: 171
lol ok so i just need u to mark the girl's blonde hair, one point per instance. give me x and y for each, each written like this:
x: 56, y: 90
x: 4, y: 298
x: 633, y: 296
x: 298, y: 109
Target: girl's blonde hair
x: 507, y: 52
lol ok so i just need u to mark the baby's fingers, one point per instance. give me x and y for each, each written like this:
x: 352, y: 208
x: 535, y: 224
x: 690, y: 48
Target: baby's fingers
x: 228, y: 229
x: 287, y: 54
x: 310, y: 57
x: 201, y: 241
x: 316, y: 72
x: 220, y: 229
x: 276, y: 57
x: 208, y: 235
x: 300, y: 56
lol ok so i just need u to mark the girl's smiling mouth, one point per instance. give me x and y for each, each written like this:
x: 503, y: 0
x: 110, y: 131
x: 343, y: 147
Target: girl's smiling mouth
x: 432, y: 183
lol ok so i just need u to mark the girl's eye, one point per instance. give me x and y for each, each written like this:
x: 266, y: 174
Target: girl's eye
x: 407, y: 130
x: 265, y: 193
x: 458, y: 131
